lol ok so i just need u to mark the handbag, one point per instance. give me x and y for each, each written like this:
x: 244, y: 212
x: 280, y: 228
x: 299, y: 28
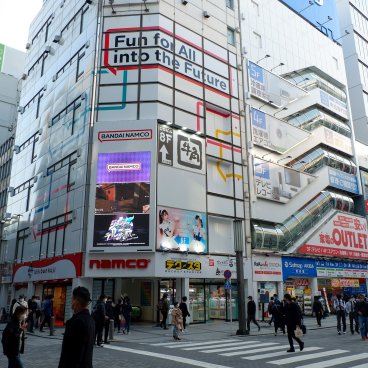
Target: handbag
x: 304, y: 329
x: 298, y: 332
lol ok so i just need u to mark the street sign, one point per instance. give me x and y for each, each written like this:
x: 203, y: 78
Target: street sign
x: 227, y: 284
x: 227, y: 274
x: 165, y: 145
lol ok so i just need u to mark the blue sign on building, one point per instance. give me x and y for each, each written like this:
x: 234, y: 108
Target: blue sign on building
x: 262, y: 169
x: 342, y: 180
x: 258, y: 118
x: 298, y: 267
x: 256, y: 72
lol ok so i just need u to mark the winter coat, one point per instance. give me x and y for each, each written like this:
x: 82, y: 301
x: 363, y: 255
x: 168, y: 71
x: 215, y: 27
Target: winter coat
x: 177, y: 318
x: 13, y: 338
x: 99, y: 312
x: 184, y: 309
x: 79, y: 336
x: 293, y: 316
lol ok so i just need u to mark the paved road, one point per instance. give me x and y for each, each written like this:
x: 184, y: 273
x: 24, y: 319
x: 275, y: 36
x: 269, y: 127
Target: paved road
x: 156, y: 348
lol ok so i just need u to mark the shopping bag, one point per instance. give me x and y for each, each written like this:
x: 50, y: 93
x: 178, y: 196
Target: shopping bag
x: 298, y: 332
x: 304, y: 329
x: 122, y: 323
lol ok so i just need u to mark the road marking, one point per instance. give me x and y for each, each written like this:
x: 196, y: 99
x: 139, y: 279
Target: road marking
x: 298, y: 358
x: 280, y: 353
x: 223, y: 345
x: 252, y: 351
x: 237, y: 348
x: 333, y: 362
x: 188, y: 343
x: 176, y: 359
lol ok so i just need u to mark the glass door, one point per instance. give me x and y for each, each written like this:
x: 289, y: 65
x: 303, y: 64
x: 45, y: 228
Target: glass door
x: 197, y: 305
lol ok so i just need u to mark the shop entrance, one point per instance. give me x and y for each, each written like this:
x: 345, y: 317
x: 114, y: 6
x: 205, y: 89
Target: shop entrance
x: 58, y: 293
x: 209, y: 300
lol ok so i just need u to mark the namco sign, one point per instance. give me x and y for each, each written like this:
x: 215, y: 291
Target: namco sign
x: 108, y: 264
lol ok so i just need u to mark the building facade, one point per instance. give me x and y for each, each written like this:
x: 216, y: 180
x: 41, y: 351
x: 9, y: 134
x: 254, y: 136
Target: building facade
x: 308, y: 227
x: 128, y: 173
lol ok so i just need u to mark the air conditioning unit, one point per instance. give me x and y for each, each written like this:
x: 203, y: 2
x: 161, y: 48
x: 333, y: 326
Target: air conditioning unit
x: 49, y: 50
x: 57, y: 38
x: 237, y: 30
x: 28, y: 46
x: 24, y: 76
x: 54, y: 78
x: 79, y: 152
x: 206, y: 14
x: 21, y: 109
x: 35, y: 179
x: 11, y: 191
x: 45, y: 87
x: 40, y: 131
x: 83, y: 96
x: 87, y: 44
x: 16, y: 149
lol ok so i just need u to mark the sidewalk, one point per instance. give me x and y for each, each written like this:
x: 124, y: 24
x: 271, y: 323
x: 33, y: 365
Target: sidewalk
x: 148, y: 332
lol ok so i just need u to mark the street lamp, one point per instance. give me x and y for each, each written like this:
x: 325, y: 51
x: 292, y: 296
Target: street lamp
x: 281, y: 64
x: 283, y: 109
x: 264, y: 57
x: 284, y: 158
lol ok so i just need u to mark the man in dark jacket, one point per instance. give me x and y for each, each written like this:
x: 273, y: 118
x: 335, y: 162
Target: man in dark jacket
x: 184, y: 310
x: 163, y: 307
x: 79, y: 336
x: 318, y: 310
x: 47, y: 312
x: 127, y: 314
x: 251, y: 313
x: 109, y: 311
x: 13, y: 337
x: 293, y: 320
x: 99, y: 315
x: 32, y: 307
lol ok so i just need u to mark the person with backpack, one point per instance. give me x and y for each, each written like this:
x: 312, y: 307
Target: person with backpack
x: 163, y: 306
x: 127, y: 314
x: 13, y: 337
x: 99, y: 315
x: 350, y: 309
x: 184, y: 310
x: 318, y: 310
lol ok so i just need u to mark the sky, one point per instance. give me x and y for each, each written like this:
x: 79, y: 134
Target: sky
x: 15, y: 19
x: 319, y: 13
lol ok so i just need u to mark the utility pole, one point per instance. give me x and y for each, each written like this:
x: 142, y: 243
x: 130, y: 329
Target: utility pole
x: 238, y: 232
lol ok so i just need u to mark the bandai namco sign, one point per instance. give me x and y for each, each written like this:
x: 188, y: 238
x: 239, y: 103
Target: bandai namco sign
x: 107, y: 264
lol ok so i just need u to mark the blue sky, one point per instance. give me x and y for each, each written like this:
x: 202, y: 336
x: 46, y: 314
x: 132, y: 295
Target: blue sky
x: 316, y: 13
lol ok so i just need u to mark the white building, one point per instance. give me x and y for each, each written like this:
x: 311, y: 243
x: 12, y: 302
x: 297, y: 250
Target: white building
x: 128, y: 173
x: 306, y: 213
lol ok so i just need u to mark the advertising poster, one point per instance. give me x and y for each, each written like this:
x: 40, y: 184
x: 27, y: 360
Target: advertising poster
x: 344, y: 236
x: 298, y: 267
x: 270, y: 87
x: 181, y: 230
x: 334, y: 104
x: 278, y: 183
x: 339, y: 141
x: 274, y: 134
x: 267, y: 268
x: 122, y: 199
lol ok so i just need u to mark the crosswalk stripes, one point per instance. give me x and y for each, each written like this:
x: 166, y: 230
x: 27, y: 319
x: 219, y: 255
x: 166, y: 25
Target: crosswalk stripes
x: 336, y: 361
x: 237, y: 347
x: 298, y: 358
x: 272, y: 353
x: 279, y: 353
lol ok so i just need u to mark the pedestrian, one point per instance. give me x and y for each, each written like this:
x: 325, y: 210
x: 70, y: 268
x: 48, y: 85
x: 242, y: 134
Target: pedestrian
x: 177, y: 320
x: 163, y: 306
x: 269, y: 310
x: 278, y: 316
x: 362, y: 311
x: 79, y: 336
x: 38, y: 312
x: 251, y: 312
x: 293, y: 320
x: 109, y: 312
x: 13, y: 337
x: 21, y: 301
x: 184, y: 310
x: 127, y: 314
x: 47, y: 312
x: 350, y: 309
x: 339, y: 306
x: 99, y: 315
x: 32, y: 307
x: 117, y: 314
x: 317, y: 309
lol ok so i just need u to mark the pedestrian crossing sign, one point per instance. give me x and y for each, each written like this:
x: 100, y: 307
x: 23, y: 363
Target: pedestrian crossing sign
x: 227, y: 284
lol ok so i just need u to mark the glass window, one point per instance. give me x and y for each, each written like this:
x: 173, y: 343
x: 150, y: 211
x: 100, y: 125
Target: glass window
x: 231, y: 36
x: 230, y: 4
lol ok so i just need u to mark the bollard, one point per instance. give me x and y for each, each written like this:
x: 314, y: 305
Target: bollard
x: 111, y: 329
x: 52, y: 326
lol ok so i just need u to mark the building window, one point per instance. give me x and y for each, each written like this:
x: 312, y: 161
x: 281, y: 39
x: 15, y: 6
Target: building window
x: 230, y: 4
x: 336, y: 62
x: 21, y: 239
x: 231, y: 36
x: 257, y: 39
x: 69, y: 161
x: 53, y: 235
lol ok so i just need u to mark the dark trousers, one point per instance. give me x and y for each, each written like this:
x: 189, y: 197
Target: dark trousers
x: 31, y: 322
x: 353, y: 319
x: 291, y: 336
x: 279, y: 324
x: 46, y: 319
x: 15, y: 362
x: 252, y: 318
x: 99, y: 328
x: 184, y: 322
x: 107, y: 329
x: 340, y: 315
x: 117, y: 323
x: 319, y: 318
x: 164, y: 320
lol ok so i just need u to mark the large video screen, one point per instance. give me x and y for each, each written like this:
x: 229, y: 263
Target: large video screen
x: 181, y: 230
x: 122, y: 199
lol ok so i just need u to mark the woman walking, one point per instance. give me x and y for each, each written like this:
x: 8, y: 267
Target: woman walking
x: 177, y: 320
